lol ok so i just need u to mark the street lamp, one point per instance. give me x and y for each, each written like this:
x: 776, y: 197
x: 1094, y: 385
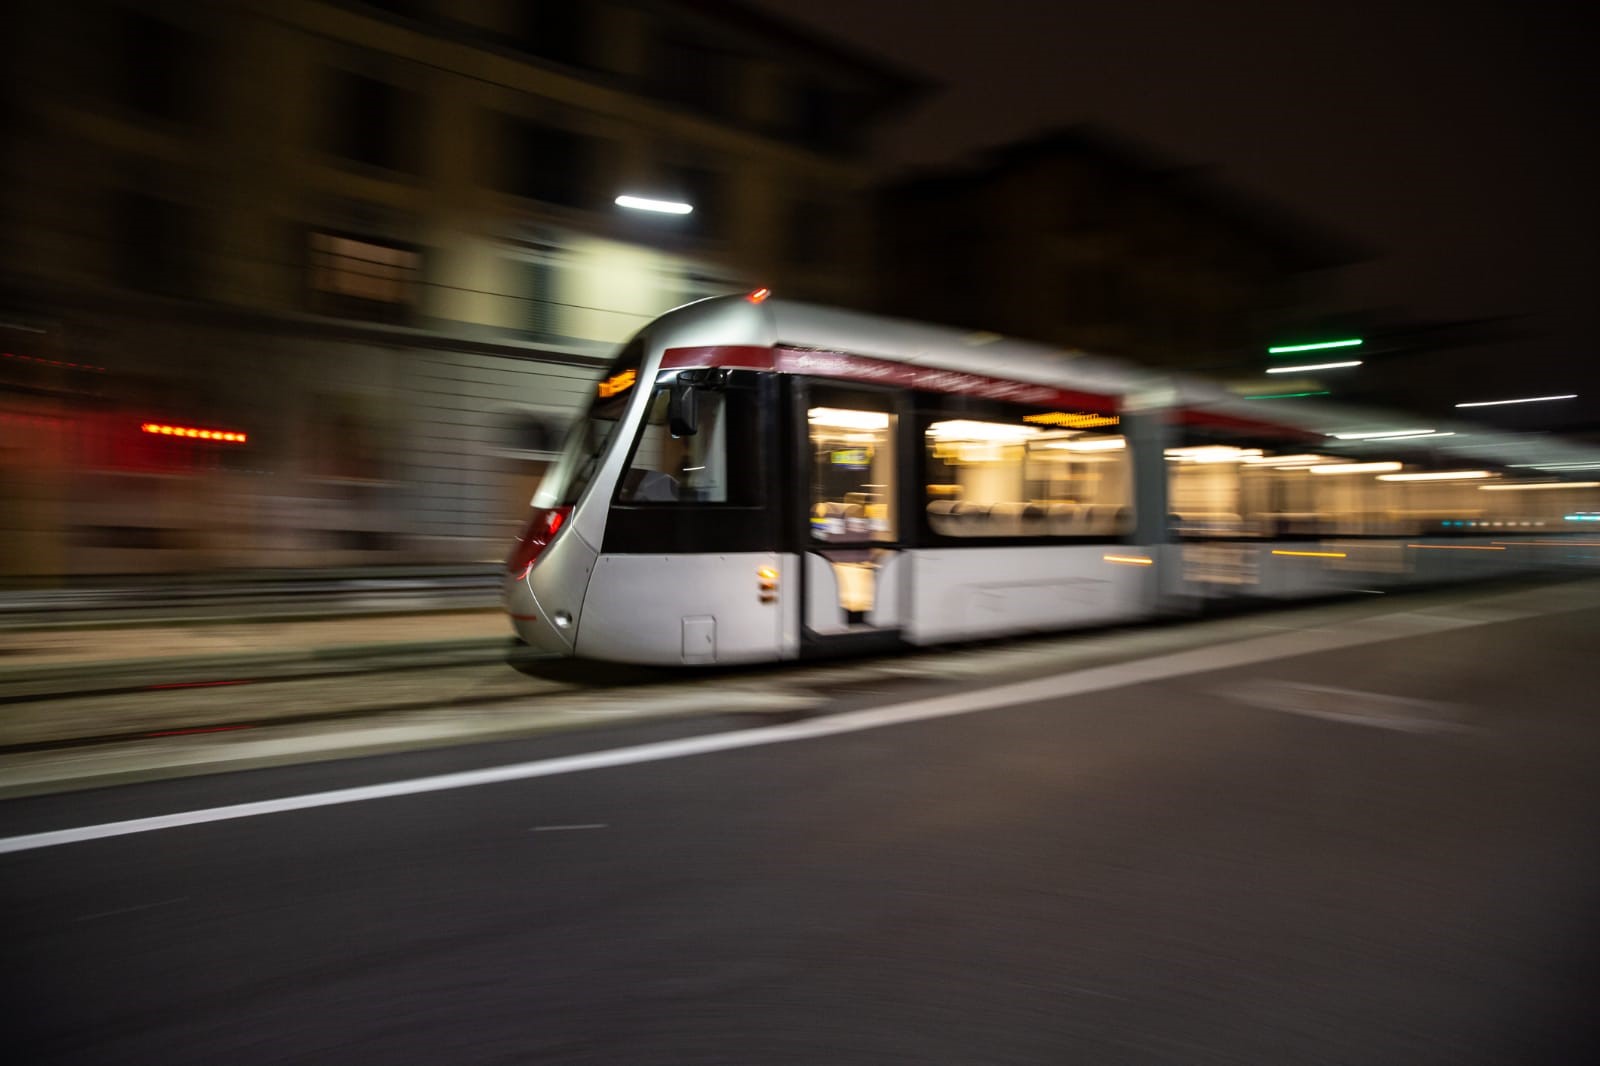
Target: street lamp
x: 660, y: 207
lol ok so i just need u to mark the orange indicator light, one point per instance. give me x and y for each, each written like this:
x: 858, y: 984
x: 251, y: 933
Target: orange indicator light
x: 1129, y: 560
x: 191, y: 433
x: 1313, y: 555
x: 758, y: 295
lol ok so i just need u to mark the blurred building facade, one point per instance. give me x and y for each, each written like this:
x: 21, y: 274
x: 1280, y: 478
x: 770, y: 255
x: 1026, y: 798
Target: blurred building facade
x: 368, y: 252
x: 1080, y: 238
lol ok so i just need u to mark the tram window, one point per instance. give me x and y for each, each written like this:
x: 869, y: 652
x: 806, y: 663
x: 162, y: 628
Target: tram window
x: 997, y: 475
x: 718, y: 464
x: 852, y: 473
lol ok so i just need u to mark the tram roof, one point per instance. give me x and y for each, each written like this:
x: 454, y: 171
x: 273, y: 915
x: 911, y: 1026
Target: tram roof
x: 943, y: 348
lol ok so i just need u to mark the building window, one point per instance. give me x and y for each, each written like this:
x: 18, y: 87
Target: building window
x: 557, y: 30
x: 371, y: 122
x: 694, y: 74
x: 363, y: 278
x: 156, y: 72
x: 546, y: 163
x: 153, y: 244
x: 705, y: 188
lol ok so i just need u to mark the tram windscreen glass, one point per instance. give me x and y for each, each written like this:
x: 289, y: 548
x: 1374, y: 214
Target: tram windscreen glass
x: 587, y: 439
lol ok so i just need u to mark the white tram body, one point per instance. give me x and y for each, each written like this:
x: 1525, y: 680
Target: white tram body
x: 757, y: 479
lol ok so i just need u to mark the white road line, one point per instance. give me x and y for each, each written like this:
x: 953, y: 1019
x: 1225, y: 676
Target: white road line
x: 129, y: 910
x: 566, y: 828
x: 1097, y: 679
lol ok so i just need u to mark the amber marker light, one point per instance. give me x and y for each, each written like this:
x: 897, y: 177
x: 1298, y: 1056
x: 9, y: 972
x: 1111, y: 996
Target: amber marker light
x: 1313, y: 555
x: 1129, y: 560
x: 225, y: 436
x: 758, y: 295
x: 767, y: 580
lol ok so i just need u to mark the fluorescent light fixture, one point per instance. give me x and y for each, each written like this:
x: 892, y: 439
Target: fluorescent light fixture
x: 1284, y: 395
x: 963, y: 429
x: 834, y: 418
x: 1095, y: 444
x: 1528, y: 486
x: 1312, y: 366
x: 1526, y: 399
x: 1285, y: 349
x: 1136, y: 560
x: 1311, y: 555
x: 1355, y: 468
x: 1557, y: 466
x: 1283, y: 461
x: 1212, y: 453
x: 1438, y: 475
x: 660, y: 207
x: 1379, y: 434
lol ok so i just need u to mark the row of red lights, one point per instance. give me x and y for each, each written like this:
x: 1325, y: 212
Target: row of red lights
x: 53, y: 362
x: 194, y: 434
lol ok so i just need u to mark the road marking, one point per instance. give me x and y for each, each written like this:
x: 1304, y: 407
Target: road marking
x: 566, y: 828
x: 1095, y: 679
x: 1350, y: 706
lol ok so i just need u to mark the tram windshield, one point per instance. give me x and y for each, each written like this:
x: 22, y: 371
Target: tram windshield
x: 589, y: 435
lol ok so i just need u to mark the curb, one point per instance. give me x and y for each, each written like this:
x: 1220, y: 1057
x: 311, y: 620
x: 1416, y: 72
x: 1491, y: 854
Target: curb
x: 130, y: 675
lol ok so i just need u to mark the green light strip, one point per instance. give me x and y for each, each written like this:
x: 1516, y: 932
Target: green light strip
x: 1285, y: 395
x: 1285, y: 349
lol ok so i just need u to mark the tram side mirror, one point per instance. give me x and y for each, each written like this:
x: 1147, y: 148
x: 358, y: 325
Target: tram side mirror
x: 683, y: 410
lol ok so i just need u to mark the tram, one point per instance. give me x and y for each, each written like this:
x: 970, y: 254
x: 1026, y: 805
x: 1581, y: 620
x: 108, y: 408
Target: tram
x: 757, y: 479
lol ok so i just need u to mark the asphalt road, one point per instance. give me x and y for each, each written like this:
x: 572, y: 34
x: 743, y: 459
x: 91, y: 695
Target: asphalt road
x: 1385, y: 853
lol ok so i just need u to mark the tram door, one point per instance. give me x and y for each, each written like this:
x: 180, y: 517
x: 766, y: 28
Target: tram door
x: 855, y: 578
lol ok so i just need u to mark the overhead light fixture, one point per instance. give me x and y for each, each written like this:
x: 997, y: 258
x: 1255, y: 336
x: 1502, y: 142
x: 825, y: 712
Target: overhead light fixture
x: 1284, y: 395
x: 660, y: 207
x: 1438, y: 475
x: 1283, y: 461
x: 1312, y: 366
x: 965, y: 429
x: 1212, y: 453
x: 1096, y: 444
x: 1526, y: 486
x: 835, y: 418
x: 1526, y: 399
x: 1355, y: 468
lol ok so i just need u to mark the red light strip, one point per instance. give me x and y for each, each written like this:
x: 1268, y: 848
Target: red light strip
x: 52, y: 362
x: 226, y: 436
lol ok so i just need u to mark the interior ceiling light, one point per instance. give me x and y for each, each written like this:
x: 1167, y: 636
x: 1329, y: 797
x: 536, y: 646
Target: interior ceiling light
x: 964, y: 429
x: 1355, y: 468
x: 1540, y: 485
x: 1438, y: 475
x: 1094, y: 444
x: 835, y: 418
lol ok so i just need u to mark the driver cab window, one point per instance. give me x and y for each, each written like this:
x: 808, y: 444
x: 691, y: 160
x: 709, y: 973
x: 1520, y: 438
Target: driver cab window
x: 716, y: 463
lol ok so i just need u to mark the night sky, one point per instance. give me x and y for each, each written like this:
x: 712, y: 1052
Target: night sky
x: 1456, y: 141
